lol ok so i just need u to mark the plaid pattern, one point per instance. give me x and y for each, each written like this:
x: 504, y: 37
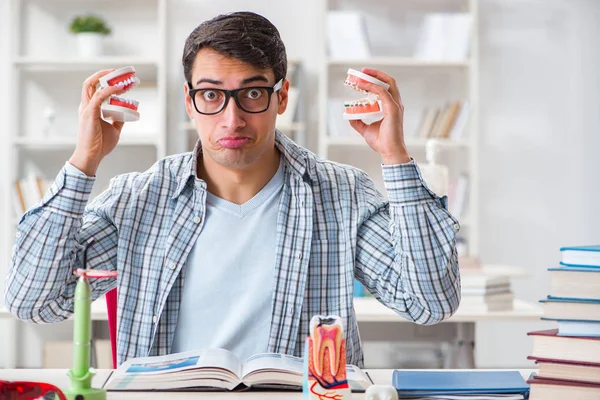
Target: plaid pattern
x: 333, y: 226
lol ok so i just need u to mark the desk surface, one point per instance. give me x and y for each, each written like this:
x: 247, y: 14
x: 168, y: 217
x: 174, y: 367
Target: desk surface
x: 59, y: 378
x: 368, y: 309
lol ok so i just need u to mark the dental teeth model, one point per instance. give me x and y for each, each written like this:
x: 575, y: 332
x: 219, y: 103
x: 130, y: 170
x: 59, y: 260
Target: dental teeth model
x: 369, y: 109
x: 117, y: 108
x: 325, y: 360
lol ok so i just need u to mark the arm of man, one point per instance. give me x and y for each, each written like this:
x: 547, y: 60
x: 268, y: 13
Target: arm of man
x: 406, y: 252
x: 40, y: 284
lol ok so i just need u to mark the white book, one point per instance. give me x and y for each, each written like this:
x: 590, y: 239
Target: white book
x: 346, y: 35
x: 458, y: 130
x: 218, y: 369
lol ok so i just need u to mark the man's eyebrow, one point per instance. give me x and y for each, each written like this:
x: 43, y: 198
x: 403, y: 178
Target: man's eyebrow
x: 259, y: 78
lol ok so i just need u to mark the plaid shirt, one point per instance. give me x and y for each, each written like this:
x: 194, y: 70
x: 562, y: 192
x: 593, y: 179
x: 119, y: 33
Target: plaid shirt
x: 333, y: 227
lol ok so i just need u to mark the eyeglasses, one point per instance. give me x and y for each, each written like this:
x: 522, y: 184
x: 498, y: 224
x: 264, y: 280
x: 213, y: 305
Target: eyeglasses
x: 253, y: 100
x: 28, y: 390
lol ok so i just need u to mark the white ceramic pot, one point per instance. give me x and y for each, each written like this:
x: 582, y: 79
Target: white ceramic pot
x: 90, y: 44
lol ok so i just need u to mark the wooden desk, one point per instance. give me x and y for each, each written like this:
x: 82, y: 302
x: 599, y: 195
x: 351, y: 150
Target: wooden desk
x: 59, y: 378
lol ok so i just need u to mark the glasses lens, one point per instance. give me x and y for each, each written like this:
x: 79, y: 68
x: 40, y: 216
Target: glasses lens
x: 209, y: 101
x: 253, y: 99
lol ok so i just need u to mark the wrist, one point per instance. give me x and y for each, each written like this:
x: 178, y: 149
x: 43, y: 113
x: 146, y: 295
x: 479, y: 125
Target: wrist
x: 84, y: 164
x: 400, y: 157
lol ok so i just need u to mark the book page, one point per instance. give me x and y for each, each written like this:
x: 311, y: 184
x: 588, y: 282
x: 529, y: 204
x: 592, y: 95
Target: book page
x: 272, y: 361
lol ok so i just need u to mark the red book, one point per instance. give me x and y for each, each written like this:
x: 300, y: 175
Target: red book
x: 554, y: 389
x: 568, y: 370
x: 576, y: 349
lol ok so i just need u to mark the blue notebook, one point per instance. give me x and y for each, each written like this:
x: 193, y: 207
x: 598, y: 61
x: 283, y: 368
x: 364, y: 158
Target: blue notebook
x: 430, y: 383
x: 581, y: 256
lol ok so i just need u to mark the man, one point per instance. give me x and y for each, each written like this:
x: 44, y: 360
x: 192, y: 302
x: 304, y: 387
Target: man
x: 240, y: 242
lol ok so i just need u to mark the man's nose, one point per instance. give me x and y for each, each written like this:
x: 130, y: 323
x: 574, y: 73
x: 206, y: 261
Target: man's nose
x: 233, y: 116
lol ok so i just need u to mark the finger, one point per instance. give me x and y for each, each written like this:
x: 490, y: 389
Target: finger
x: 103, y: 94
x: 358, y: 126
x: 118, y: 125
x: 382, y: 76
x: 389, y: 104
x: 89, y: 85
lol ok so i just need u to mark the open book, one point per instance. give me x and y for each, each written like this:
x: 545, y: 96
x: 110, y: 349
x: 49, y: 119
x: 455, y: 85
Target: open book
x: 218, y: 369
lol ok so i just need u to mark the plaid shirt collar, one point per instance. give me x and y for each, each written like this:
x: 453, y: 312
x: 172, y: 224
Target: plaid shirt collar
x: 294, y: 159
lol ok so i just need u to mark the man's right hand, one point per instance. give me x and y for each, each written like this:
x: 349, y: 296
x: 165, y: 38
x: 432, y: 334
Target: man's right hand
x: 96, y: 137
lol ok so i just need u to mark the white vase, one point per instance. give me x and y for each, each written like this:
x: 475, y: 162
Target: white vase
x: 90, y: 44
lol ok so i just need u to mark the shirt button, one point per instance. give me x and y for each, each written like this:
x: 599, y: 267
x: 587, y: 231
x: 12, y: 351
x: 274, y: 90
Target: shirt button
x: 301, y: 203
x: 18, y: 234
x: 456, y: 226
x: 154, y: 319
x: 172, y: 266
x: 291, y: 312
x: 299, y: 255
x: 198, y: 185
x: 196, y: 220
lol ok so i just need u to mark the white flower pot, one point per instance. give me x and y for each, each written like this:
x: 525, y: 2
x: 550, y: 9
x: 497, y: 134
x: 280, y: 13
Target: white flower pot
x: 90, y: 44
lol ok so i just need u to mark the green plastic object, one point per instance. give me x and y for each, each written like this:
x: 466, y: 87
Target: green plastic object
x: 81, y: 374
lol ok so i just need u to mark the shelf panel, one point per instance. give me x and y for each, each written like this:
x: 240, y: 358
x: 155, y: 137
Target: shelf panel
x: 411, y: 142
x: 146, y: 68
x: 396, y: 62
x: 68, y: 142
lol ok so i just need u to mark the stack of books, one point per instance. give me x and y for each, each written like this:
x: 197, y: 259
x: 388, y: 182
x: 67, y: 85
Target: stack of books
x: 569, y: 356
x: 486, y: 292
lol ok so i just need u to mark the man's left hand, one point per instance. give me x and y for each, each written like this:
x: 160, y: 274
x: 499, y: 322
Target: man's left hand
x: 386, y: 137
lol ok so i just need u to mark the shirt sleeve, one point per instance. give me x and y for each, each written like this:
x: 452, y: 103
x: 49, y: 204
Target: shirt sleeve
x: 406, y: 252
x: 50, y: 236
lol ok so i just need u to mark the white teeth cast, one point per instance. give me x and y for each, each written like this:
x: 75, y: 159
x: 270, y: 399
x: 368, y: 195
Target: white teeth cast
x: 128, y: 101
x: 353, y: 86
x: 326, y: 332
x: 362, y: 102
x: 133, y: 80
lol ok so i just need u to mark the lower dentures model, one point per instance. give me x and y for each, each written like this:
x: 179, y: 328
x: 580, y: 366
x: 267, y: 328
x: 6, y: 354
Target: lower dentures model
x: 368, y: 109
x: 118, y: 108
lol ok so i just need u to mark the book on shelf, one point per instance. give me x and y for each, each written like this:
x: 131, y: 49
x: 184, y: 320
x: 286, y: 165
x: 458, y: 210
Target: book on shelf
x: 218, y: 369
x: 567, y: 369
x: 568, y: 308
x: 28, y: 192
x: 547, y: 344
x: 560, y: 389
x: 444, y: 37
x: 575, y: 282
x: 347, y: 35
x: 447, y: 122
x: 581, y: 256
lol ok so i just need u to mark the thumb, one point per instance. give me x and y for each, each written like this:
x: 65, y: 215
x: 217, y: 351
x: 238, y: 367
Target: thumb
x: 358, y: 126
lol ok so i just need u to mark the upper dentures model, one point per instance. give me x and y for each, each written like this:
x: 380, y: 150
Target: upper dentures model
x: 118, y: 108
x: 368, y: 109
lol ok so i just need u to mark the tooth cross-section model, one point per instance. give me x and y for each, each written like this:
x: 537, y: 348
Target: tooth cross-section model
x: 117, y: 108
x: 325, y: 360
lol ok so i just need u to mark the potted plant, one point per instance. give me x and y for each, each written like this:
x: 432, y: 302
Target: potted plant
x: 90, y: 31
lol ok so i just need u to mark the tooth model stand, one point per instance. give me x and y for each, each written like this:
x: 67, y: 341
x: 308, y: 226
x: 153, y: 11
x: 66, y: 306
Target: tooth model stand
x: 117, y: 108
x: 325, y: 360
x: 81, y: 374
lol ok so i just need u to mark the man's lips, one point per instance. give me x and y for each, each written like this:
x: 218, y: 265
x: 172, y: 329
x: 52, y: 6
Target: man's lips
x: 233, y: 142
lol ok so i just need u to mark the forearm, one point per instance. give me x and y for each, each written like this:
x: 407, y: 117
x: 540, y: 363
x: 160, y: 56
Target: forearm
x: 423, y: 234
x: 40, y: 282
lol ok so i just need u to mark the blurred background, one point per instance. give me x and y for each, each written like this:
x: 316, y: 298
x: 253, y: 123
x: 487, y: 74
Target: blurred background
x: 504, y: 95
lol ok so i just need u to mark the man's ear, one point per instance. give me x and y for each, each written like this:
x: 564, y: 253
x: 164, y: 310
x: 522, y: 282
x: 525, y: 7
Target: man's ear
x: 283, y: 97
x: 189, y: 107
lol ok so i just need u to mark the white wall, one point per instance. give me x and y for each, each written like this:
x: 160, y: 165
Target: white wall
x: 540, y: 95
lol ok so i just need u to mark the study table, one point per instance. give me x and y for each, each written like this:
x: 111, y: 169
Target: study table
x: 58, y: 377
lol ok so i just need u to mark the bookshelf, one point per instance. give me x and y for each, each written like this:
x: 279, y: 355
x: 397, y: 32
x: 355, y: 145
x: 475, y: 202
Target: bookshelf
x: 395, y: 34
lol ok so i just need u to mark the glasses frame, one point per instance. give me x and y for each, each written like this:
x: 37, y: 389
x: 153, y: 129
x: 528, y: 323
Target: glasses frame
x: 23, y: 390
x: 233, y: 93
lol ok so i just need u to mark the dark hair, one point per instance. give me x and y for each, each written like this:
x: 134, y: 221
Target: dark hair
x: 249, y: 37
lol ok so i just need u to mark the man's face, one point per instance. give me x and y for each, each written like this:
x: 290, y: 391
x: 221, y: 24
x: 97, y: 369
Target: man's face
x: 234, y: 138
